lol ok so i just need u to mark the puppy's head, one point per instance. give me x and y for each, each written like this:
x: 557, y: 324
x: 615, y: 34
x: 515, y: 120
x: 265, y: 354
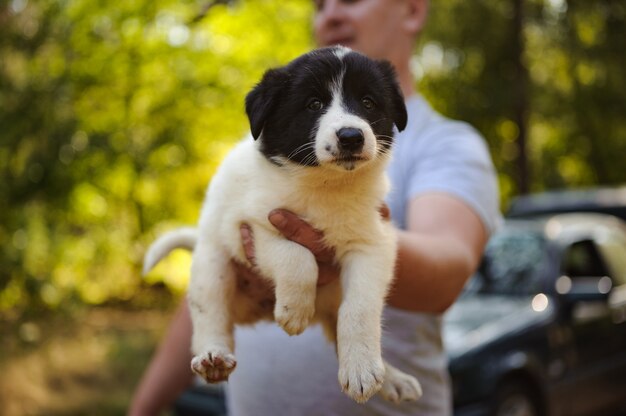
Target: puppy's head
x: 331, y: 107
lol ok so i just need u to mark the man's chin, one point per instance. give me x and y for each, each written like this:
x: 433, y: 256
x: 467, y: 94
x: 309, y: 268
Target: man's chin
x: 349, y: 43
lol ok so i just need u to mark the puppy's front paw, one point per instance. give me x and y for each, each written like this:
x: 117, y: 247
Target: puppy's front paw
x: 294, y: 317
x: 361, y: 379
x: 214, y: 366
x: 400, y: 387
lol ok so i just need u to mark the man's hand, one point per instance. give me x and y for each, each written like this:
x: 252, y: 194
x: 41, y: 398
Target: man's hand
x: 299, y: 231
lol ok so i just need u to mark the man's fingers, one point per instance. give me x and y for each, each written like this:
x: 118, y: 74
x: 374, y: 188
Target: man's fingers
x: 247, y: 240
x: 296, y: 229
x: 385, y: 212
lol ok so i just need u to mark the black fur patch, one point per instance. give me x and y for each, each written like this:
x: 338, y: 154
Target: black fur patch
x: 282, y: 106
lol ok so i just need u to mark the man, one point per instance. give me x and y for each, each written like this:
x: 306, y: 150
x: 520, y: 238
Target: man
x: 444, y: 203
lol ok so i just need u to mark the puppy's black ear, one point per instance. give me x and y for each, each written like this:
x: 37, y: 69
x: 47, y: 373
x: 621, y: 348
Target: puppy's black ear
x: 261, y: 101
x: 396, y: 99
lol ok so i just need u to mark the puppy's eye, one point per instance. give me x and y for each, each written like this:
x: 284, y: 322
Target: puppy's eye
x: 368, y: 103
x: 315, y: 105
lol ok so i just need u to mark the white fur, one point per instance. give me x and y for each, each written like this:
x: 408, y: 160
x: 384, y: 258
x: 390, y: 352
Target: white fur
x: 180, y: 238
x: 341, y: 51
x: 340, y: 198
x: 336, y: 117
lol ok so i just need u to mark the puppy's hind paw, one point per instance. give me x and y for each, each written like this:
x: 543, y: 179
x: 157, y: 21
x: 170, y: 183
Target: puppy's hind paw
x: 400, y: 387
x: 214, y: 366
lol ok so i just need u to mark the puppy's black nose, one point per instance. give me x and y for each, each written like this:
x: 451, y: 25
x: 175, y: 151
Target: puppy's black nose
x: 350, y: 139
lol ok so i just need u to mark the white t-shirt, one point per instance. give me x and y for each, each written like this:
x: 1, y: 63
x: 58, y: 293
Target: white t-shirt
x: 281, y: 375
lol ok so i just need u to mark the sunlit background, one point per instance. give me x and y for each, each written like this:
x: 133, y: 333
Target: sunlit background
x: 114, y: 115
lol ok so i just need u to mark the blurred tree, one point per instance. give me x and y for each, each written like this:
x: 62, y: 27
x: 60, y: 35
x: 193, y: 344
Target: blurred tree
x: 593, y: 119
x: 113, y: 119
x: 113, y: 116
x: 472, y: 61
x: 520, y: 95
x: 543, y: 80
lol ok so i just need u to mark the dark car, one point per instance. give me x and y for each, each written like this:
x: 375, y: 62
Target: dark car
x: 607, y: 200
x: 541, y: 328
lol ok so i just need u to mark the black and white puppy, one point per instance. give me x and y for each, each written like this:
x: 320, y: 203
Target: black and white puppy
x: 323, y: 128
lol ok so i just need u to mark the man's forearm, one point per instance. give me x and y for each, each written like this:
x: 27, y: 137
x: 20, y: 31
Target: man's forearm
x: 168, y: 373
x: 430, y: 272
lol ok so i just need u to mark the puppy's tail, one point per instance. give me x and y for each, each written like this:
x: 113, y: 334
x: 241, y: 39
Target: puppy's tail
x: 184, y: 237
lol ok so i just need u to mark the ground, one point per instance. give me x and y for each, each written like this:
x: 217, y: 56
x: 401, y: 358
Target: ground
x: 85, y: 362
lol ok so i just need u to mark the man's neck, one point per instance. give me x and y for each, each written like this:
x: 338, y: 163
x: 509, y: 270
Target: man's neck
x: 406, y: 81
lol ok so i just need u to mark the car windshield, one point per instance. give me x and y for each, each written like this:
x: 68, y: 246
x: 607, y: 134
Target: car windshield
x: 511, y: 264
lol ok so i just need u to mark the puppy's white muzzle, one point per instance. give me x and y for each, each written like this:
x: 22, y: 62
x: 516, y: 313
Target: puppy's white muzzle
x: 344, y: 139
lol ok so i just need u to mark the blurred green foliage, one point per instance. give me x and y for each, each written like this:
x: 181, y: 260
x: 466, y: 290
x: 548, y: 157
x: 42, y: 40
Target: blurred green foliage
x: 575, y: 94
x: 113, y: 117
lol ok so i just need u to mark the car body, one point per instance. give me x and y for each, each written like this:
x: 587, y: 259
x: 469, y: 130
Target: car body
x: 607, y: 200
x: 541, y: 328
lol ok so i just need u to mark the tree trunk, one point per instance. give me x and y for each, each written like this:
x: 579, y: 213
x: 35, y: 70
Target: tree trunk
x: 521, y: 102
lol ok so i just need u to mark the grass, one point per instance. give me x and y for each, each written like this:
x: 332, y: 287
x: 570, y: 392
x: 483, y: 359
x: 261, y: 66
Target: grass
x: 85, y: 363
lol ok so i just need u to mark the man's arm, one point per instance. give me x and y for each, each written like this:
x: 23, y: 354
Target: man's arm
x: 438, y: 252
x: 168, y: 373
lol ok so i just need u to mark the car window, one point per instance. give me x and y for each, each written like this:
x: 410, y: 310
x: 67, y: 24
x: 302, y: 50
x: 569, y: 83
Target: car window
x: 511, y: 264
x: 582, y: 259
